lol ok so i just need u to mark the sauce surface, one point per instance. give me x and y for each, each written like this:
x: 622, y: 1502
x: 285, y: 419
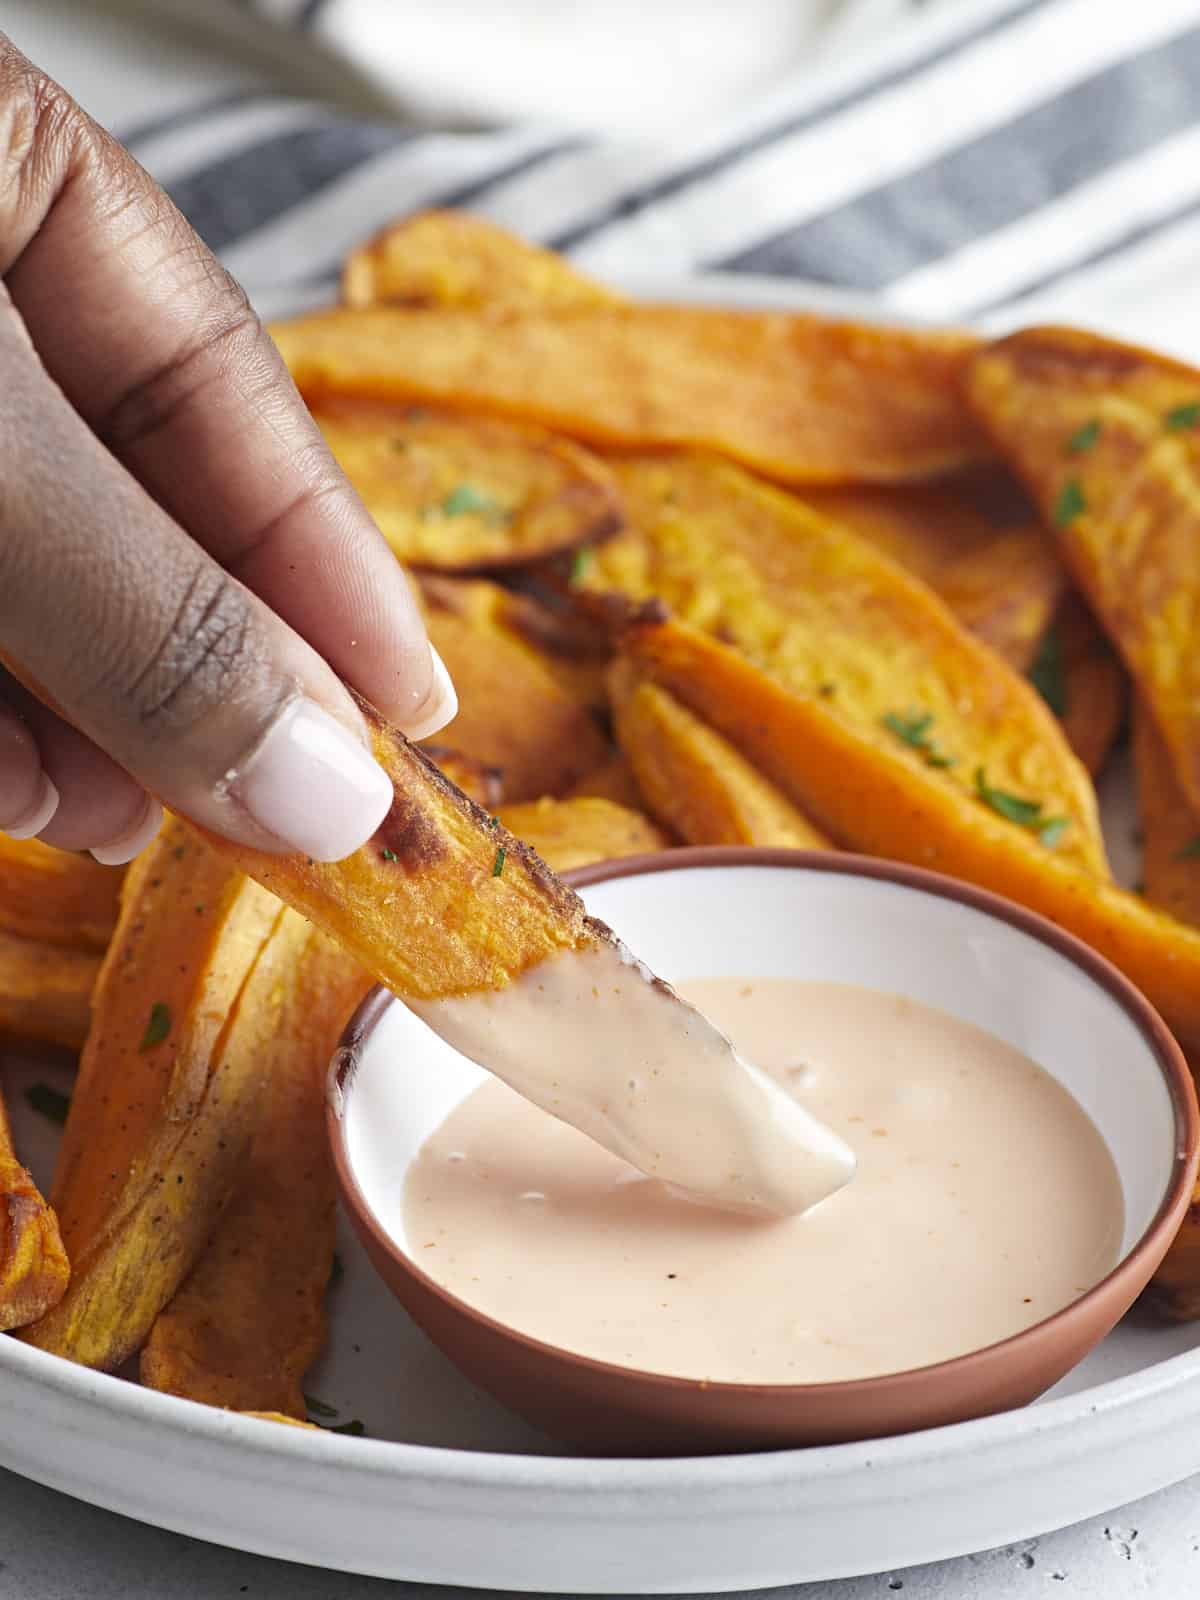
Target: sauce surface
x: 984, y: 1200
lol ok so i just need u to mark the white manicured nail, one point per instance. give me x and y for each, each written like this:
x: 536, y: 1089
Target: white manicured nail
x: 439, y: 707
x: 313, y: 786
x: 38, y: 815
x: 118, y: 851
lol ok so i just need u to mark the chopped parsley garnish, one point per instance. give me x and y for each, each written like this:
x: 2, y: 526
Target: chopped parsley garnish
x: 1180, y: 418
x: 1025, y: 813
x: 498, y: 864
x: 158, y: 1027
x: 1084, y: 439
x: 465, y: 498
x: 1189, y: 851
x: 1048, y: 675
x: 49, y: 1102
x: 913, y: 730
x: 1070, y: 503
x: 580, y: 562
x: 389, y: 855
x: 318, y: 1408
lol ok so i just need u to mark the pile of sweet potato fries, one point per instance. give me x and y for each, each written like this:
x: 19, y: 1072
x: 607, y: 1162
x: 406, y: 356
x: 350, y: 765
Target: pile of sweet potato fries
x: 701, y: 577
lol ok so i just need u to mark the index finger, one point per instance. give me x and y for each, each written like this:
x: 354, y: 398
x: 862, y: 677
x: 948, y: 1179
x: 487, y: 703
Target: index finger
x: 158, y: 350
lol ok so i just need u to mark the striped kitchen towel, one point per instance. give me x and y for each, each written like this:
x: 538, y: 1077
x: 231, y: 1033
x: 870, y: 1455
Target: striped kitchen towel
x: 997, y: 161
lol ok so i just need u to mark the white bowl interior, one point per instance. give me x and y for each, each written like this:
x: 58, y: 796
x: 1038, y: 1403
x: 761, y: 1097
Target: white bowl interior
x: 776, y: 922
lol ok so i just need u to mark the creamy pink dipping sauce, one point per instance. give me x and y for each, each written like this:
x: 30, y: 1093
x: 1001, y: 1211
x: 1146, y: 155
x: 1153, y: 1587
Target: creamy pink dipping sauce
x: 984, y: 1200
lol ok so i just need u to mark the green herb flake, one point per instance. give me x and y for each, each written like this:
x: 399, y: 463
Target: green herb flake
x: 389, y: 855
x: 48, y: 1102
x: 1084, y: 439
x: 1181, y: 418
x: 158, y: 1027
x: 1070, y: 503
x: 913, y: 731
x: 1025, y: 813
x: 498, y: 864
x: 318, y: 1408
x: 465, y: 499
x: 1189, y: 851
x: 1048, y: 672
x: 580, y: 562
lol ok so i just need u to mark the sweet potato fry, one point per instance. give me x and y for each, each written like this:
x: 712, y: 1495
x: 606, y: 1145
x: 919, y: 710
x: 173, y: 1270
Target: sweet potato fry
x: 1094, y: 686
x: 469, y: 494
x: 829, y: 615
x: 451, y: 258
x: 515, y: 712
x: 442, y: 901
x: 56, y: 895
x: 1170, y: 827
x: 574, y: 833
x: 875, y: 795
x: 975, y: 540
x: 1174, y: 1290
x: 613, y: 781
x: 160, y: 1116
x: 249, y: 1320
x: 33, y: 1263
x: 481, y: 783
x: 798, y: 398
x: 1106, y: 436
x: 695, y: 781
x: 45, y: 991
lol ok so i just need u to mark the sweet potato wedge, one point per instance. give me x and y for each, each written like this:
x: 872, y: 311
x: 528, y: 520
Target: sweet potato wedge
x: 975, y: 540
x: 516, y: 712
x: 798, y: 398
x: 45, y: 991
x: 875, y: 795
x: 1095, y: 687
x: 33, y: 1263
x: 695, y: 781
x: 442, y: 901
x: 459, y: 493
x: 1108, y: 439
x: 160, y: 1117
x: 829, y: 615
x: 479, y: 782
x: 613, y: 781
x: 451, y: 258
x: 249, y: 1320
x: 575, y: 833
x: 1170, y: 827
x: 56, y: 895
x: 1174, y: 1291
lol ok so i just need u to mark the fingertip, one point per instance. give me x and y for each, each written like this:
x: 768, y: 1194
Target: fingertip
x: 38, y: 816
x: 117, y: 852
x: 439, y: 707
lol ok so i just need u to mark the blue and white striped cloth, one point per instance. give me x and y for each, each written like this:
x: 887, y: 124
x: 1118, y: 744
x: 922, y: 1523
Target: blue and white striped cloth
x: 997, y: 161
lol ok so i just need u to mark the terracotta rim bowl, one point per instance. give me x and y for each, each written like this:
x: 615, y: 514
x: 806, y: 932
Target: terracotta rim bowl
x: 828, y: 916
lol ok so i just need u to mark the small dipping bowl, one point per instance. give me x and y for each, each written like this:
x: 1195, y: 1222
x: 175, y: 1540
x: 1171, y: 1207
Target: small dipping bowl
x: 826, y: 918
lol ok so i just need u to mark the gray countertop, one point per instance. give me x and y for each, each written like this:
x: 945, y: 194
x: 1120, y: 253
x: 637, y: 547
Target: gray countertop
x: 53, y: 1548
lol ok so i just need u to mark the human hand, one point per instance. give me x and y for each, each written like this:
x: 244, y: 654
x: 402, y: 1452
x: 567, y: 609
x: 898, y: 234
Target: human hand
x: 184, y: 571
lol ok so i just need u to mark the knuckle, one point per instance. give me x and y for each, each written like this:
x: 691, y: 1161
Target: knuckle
x: 158, y: 396
x: 209, y: 657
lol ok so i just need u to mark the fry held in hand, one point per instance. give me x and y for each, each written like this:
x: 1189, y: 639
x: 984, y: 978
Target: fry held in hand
x: 797, y: 398
x: 33, y: 1264
x: 249, y: 1320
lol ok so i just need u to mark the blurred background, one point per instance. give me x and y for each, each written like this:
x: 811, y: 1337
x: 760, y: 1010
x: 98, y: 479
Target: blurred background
x: 997, y: 161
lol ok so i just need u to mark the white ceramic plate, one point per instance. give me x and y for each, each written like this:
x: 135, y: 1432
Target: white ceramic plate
x: 449, y: 1488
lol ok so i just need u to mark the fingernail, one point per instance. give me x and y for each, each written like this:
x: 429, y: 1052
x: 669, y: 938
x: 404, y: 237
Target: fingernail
x: 313, y: 786
x: 439, y: 707
x: 119, y: 851
x: 38, y: 815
